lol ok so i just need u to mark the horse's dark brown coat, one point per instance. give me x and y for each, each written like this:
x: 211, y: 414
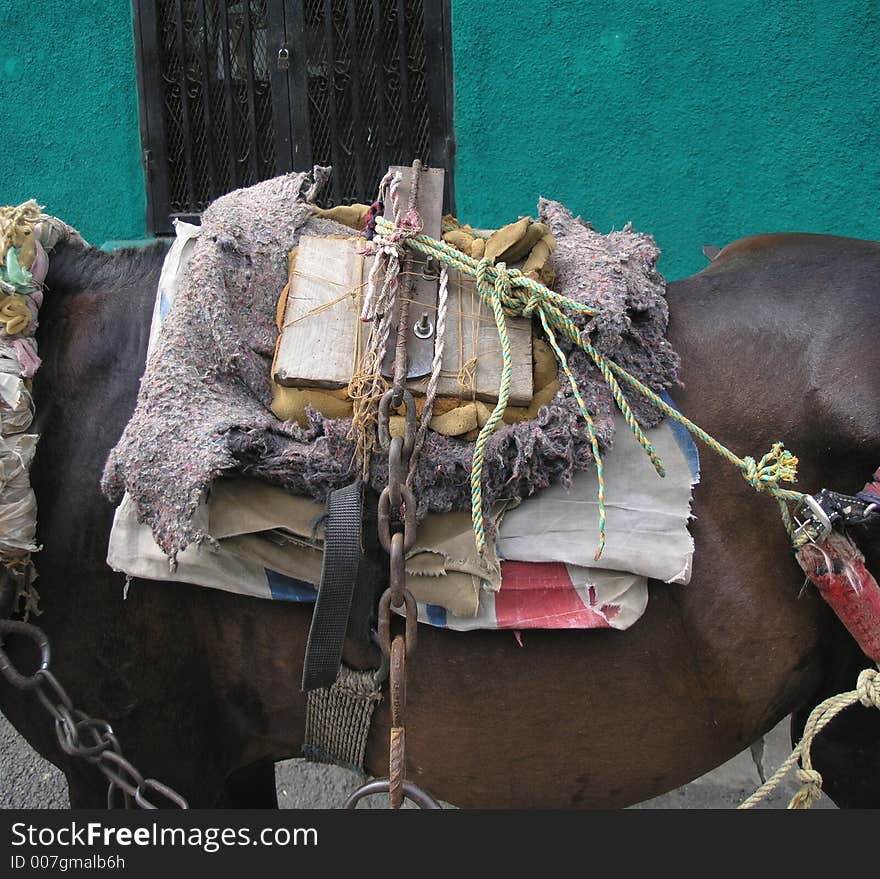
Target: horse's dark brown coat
x: 778, y: 342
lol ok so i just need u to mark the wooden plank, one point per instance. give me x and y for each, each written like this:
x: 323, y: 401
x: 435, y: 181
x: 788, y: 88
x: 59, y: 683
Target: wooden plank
x: 321, y: 324
x: 472, y: 339
x: 430, y: 201
x: 321, y: 320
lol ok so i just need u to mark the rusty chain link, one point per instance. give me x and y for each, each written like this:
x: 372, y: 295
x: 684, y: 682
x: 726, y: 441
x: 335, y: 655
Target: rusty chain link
x: 397, y: 596
x: 397, y: 534
x: 78, y: 734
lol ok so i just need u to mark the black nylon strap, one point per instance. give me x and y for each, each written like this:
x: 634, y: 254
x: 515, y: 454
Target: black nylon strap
x: 350, y: 565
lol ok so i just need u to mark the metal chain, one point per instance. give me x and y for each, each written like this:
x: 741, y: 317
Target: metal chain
x: 397, y: 535
x: 397, y: 503
x: 80, y: 735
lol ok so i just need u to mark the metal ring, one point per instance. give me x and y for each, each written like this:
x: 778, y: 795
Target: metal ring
x: 396, y: 476
x: 409, y: 518
x: 8, y: 670
x: 412, y: 621
x: 111, y: 772
x: 397, y: 571
x: 46, y: 677
x: 411, y: 792
x: 150, y: 784
x: 101, y: 732
x: 409, y: 438
x: 66, y: 732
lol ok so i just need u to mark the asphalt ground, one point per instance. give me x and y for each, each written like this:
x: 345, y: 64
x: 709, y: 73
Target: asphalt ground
x: 29, y: 782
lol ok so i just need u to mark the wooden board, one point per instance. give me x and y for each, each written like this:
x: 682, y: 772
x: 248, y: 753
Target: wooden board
x: 321, y: 319
x: 430, y: 200
x: 471, y: 333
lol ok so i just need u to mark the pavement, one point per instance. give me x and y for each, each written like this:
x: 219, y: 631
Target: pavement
x: 29, y: 782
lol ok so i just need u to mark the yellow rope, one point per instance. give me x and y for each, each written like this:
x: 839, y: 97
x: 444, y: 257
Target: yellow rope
x: 17, y: 227
x: 14, y: 313
x: 867, y: 692
x: 498, y: 292
x: 509, y: 292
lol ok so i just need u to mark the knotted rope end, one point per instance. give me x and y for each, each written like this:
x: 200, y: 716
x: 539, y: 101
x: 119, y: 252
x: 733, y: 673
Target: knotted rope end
x: 778, y: 465
x: 811, y: 789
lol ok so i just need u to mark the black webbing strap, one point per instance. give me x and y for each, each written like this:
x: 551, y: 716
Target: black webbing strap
x: 350, y: 568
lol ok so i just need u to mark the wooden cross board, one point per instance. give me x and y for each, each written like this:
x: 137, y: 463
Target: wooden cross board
x: 322, y: 317
x: 322, y: 332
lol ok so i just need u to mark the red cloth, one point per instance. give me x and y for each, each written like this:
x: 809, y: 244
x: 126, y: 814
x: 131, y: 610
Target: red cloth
x: 837, y: 569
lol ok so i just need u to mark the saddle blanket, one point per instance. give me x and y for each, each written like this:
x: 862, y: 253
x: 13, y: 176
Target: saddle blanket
x: 541, y: 574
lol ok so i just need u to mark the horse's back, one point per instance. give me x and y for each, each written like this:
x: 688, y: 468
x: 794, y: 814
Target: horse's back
x: 798, y: 260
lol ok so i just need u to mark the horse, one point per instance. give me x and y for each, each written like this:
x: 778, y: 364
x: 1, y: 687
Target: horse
x: 778, y: 342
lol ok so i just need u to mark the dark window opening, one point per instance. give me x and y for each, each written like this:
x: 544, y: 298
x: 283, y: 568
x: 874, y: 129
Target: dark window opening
x: 232, y: 93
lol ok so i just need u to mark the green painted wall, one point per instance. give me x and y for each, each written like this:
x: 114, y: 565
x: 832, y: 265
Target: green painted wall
x: 69, y: 114
x: 699, y: 121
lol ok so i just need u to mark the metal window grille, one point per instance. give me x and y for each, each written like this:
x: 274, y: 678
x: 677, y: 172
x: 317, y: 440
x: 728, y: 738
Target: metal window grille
x: 232, y: 93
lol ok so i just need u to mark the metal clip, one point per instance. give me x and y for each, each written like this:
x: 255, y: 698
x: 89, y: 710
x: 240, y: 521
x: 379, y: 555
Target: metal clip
x: 811, y: 520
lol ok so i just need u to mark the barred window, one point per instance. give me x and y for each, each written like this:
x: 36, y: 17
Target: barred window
x: 232, y: 93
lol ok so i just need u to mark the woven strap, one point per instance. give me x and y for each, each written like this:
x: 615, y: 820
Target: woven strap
x: 350, y: 568
x: 338, y: 719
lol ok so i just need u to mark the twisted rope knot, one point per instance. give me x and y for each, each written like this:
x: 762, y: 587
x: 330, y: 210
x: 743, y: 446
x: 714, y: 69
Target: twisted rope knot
x: 503, y: 285
x: 411, y: 224
x: 868, y: 688
x: 533, y: 303
x: 778, y: 465
x: 481, y: 275
x: 811, y: 789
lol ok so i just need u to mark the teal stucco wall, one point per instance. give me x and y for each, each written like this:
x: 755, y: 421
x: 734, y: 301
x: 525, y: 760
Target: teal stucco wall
x: 699, y: 121
x: 69, y: 114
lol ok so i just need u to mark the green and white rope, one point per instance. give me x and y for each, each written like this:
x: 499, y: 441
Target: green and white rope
x: 496, y: 293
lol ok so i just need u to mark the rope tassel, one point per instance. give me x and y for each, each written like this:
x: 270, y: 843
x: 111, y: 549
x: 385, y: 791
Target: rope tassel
x: 778, y: 465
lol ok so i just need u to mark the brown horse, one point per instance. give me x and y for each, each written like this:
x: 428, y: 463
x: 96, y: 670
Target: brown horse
x: 778, y: 337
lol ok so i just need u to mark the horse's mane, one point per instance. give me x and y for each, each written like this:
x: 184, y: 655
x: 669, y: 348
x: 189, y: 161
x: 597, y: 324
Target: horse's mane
x: 74, y: 269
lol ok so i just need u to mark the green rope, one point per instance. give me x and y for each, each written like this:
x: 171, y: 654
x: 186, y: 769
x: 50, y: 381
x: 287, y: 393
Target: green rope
x: 495, y: 294
x: 509, y: 292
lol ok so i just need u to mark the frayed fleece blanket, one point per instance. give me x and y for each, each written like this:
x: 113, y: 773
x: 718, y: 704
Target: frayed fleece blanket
x: 203, y: 409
